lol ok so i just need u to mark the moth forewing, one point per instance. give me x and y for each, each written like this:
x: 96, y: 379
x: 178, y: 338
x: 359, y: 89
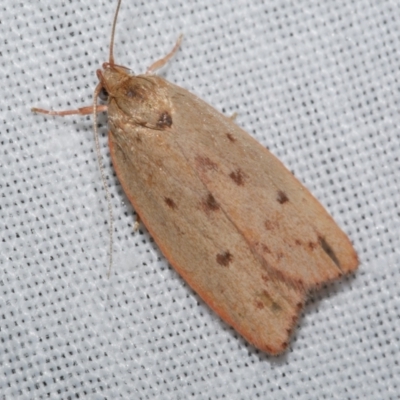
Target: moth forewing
x: 240, y: 230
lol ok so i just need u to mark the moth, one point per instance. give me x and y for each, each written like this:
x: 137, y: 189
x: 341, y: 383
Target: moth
x: 242, y: 231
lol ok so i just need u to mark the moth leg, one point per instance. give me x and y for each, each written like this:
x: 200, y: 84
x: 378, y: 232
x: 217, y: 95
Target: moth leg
x: 78, y: 111
x: 233, y: 116
x: 137, y: 223
x: 162, y: 61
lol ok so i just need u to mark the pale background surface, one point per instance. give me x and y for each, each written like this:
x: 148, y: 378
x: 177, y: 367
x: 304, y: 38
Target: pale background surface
x: 315, y: 81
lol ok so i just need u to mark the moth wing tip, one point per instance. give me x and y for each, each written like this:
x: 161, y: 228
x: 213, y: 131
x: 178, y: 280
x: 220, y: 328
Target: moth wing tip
x: 349, y: 263
x: 274, y: 349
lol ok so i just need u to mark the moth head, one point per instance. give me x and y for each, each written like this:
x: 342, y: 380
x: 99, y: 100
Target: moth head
x: 141, y: 98
x: 110, y: 77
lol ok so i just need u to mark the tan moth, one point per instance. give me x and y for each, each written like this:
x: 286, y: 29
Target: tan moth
x: 229, y: 217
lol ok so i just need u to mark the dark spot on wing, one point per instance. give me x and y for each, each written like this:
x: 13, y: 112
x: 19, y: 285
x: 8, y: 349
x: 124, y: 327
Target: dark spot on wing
x: 165, y: 120
x: 270, y: 225
x: 264, y: 248
x: 261, y: 247
x: 259, y: 304
x: 298, y: 242
x: 299, y: 283
x: 282, y: 198
x: 265, y: 278
x: 206, y: 163
x: 230, y: 137
x: 210, y: 203
x: 285, y: 344
x: 328, y: 250
x: 224, y: 259
x: 135, y: 92
x: 179, y: 231
x: 312, y: 245
x: 237, y: 176
x: 276, y: 306
x: 299, y: 305
x: 267, y: 301
x: 170, y: 203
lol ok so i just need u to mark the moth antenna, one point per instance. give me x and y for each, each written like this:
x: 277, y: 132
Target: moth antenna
x: 111, y: 58
x: 103, y: 176
x: 96, y: 138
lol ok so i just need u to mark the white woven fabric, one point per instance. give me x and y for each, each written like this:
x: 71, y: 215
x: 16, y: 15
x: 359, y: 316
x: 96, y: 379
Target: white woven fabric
x: 315, y: 81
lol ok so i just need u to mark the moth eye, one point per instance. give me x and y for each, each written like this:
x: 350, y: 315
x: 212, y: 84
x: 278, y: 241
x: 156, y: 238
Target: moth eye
x: 103, y: 94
